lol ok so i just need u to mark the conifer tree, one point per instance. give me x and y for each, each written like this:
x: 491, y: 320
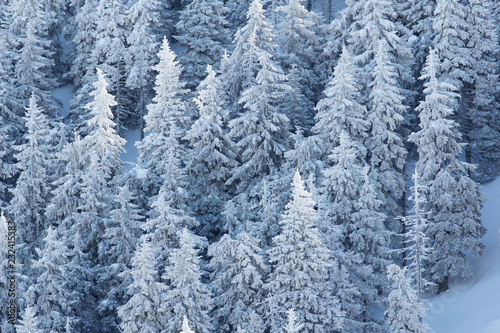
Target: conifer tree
x: 51, y: 295
x: 454, y: 200
x: 405, y: 311
x: 31, y: 191
x: 185, y: 326
x: 255, y: 38
x: 82, y: 28
x: 262, y: 131
x: 368, y: 235
x: 484, y: 134
x: 417, y: 250
x: 108, y: 52
x: 201, y: 29
x: 377, y: 20
x: 452, y: 32
x: 29, y: 323
x: 121, y: 236
x: 33, y: 65
x: 166, y: 116
x: 300, y: 269
x: 343, y: 214
x: 170, y: 210
x: 341, y: 109
x: 187, y: 296
x: 141, y: 53
x: 99, y: 155
x: 386, y: 115
x: 118, y: 246
x: 66, y: 195
x: 213, y: 154
x: 102, y: 148
x: 297, y: 39
x: 292, y: 326
x: 143, y: 312
x: 302, y: 156
x: 238, y: 278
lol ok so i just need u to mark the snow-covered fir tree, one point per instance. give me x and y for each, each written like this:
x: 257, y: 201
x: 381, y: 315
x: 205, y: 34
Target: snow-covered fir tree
x: 32, y: 69
x: 369, y: 236
x: 108, y: 52
x: 31, y: 191
x: 82, y: 26
x: 212, y: 156
x: 239, y: 273
x: 405, y: 311
x: 484, y: 133
x: 341, y: 190
x: 377, y: 20
x: 262, y: 131
x: 187, y: 296
x: 103, y: 143
x: 166, y: 114
x: 162, y: 152
x: 292, y: 326
x: 454, y: 200
x: 255, y: 38
x: 29, y: 322
x: 202, y: 30
x: 185, y: 326
x: 298, y: 41
x: 140, y: 54
x: 50, y: 294
x: 118, y: 245
x: 99, y: 157
x: 66, y: 195
x: 416, y: 249
x: 102, y: 148
x: 341, y: 108
x: 121, y: 236
x: 386, y: 115
x: 143, y: 311
x: 451, y: 34
x: 300, y: 262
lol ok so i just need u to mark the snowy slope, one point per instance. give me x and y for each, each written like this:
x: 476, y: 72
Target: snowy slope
x: 473, y: 306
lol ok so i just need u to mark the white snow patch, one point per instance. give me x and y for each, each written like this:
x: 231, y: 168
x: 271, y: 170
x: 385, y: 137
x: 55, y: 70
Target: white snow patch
x: 473, y: 306
x: 131, y: 153
x: 140, y: 173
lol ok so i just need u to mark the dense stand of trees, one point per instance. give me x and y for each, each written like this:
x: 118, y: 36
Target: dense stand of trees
x: 270, y: 191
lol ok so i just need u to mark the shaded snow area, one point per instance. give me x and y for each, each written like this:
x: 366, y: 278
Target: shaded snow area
x: 473, y: 306
x: 337, y: 6
x: 131, y: 153
x: 63, y: 96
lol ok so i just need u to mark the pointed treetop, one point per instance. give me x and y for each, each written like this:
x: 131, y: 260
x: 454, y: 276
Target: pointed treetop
x: 167, y: 57
x: 29, y: 322
x: 185, y: 326
x: 101, y: 90
x: 292, y: 326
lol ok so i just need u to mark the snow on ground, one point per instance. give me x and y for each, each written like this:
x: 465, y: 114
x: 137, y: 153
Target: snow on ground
x: 131, y: 153
x: 64, y: 95
x: 473, y: 306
